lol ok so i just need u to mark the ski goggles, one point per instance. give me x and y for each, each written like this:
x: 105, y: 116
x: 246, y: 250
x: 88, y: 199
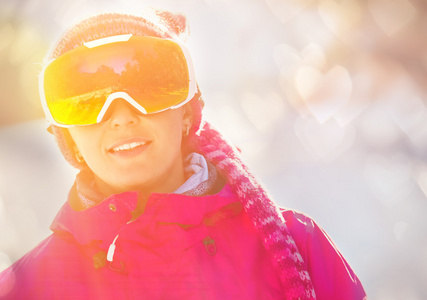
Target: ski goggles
x: 152, y: 74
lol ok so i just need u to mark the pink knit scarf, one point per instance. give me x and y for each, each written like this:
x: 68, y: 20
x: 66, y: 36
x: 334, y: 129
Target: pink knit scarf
x: 261, y: 209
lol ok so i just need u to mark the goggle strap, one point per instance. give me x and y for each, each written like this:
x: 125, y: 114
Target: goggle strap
x: 108, y: 40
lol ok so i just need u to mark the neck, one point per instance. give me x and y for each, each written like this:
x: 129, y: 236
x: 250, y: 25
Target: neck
x: 171, y: 183
x: 168, y: 182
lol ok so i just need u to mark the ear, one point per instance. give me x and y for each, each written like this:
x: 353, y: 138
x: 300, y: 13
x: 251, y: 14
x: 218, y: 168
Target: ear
x: 74, y: 148
x: 73, y: 151
x: 187, y: 116
x: 70, y: 141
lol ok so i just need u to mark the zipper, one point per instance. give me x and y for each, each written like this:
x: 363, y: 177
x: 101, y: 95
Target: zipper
x: 111, y: 249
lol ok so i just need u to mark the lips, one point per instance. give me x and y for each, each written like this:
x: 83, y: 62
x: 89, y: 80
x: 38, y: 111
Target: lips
x: 128, y: 146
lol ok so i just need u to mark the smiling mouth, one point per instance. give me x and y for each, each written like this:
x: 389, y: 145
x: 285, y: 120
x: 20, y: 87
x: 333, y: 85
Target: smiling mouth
x: 127, y: 147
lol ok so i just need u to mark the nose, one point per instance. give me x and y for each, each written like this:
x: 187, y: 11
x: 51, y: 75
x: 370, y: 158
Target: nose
x: 121, y: 113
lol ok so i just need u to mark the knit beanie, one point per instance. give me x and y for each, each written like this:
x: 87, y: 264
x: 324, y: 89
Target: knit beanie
x: 202, y: 138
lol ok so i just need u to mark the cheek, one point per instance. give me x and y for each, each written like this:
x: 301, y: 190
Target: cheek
x: 93, y: 155
x: 170, y: 126
x: 87, y: 142
x: 171, y: 138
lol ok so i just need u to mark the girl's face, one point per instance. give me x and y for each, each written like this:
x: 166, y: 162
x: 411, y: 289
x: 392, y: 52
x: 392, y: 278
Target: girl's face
x: 131, y: 151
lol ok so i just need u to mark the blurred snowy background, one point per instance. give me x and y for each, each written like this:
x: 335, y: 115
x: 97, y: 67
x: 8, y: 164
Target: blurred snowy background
x: 326, y: 98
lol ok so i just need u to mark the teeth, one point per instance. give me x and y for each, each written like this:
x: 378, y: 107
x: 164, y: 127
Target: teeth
x: 130, y: 146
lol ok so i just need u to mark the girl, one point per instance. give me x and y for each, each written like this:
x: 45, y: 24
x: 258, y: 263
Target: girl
x: 163, y: 206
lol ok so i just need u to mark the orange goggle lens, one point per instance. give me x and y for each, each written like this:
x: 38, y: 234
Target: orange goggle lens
x: 153, y: 72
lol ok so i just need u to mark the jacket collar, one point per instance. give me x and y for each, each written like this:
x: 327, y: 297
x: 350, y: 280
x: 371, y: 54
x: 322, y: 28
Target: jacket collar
x: 105, y: 220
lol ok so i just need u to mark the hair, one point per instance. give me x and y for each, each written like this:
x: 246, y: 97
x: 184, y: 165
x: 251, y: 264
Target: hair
x: 204, y: 139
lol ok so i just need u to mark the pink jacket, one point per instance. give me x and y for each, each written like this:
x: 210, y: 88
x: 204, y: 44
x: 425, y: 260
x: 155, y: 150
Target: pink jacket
x: 181, y: 247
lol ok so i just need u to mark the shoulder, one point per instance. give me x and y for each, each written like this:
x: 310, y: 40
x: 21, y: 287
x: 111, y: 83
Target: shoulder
x: 40, y: 266
x: 308, y: 235
x: 332, y: 276
x: 311, y: 239
x: 292, y: 216
x: 299, y: 223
